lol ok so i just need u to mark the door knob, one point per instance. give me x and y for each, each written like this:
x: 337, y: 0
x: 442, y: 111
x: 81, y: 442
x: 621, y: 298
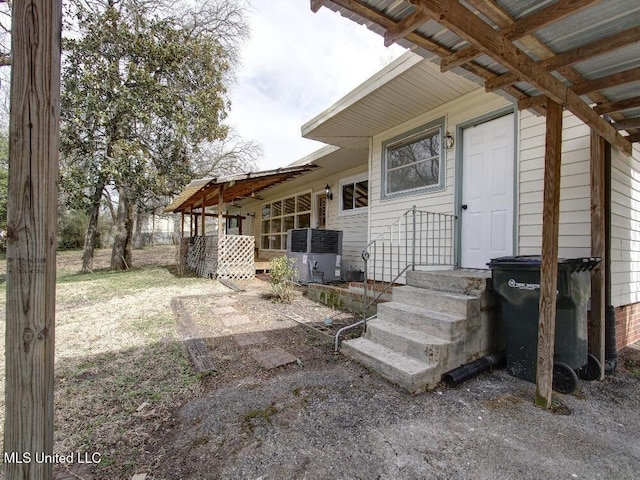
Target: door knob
x: 464, y: 207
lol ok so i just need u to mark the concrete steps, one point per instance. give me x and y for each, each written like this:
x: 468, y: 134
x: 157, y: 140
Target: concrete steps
x: 447, y: 326
x: 435, y: 323
x: 411, y: 374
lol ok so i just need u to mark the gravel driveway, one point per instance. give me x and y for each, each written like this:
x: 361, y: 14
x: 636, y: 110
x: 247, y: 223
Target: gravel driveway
x: 328, y: 418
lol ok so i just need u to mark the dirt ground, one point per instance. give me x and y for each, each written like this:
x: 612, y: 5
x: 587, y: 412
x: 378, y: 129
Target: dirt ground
x: 323, y: 416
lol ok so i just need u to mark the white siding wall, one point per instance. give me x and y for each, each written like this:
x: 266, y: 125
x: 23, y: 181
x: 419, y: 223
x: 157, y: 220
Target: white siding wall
x: 575, y: 221
x: 384, y: 211
x: 625, y: 227
x: 354, y: 226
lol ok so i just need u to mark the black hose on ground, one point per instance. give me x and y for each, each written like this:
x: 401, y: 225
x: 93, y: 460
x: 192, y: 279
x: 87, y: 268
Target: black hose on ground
x: 465, y: 372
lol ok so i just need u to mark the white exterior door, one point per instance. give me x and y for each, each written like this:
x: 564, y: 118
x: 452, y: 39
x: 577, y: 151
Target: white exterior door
x: 487, y: 192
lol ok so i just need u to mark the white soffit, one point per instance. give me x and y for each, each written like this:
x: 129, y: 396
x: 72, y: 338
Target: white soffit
x: 404, y: 89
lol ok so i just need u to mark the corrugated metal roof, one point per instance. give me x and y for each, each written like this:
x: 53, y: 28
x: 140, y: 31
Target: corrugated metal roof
x: 591, y: 22
x: 205, y: 191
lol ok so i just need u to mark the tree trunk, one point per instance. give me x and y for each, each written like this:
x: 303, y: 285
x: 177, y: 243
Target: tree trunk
x: 90, y: 238
x: 141, y: 219
x: 121, y: 254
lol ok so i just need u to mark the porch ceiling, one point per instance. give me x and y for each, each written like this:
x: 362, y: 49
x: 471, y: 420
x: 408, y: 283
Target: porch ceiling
x: 206, y: 192
x: 582, y: 54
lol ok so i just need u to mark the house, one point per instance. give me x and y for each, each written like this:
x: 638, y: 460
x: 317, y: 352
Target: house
x: 468, y: 124
x: 454, y: 174
x: 309, y: 193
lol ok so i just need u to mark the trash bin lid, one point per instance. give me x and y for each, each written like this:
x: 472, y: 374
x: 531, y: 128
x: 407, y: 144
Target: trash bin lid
x: 533, y: 261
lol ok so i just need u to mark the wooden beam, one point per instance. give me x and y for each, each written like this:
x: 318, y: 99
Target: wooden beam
x: 456, y: 17
x: 370, y: 14
x: 597, y: 170
x: 519, y: 29
x: 579, y: 54
x: 407, y: 25
x: 532, y: 102
x: 549, y: 266
x: 634, y: 138
x: 627, y: 124
x: 31, y: 237
x: 620, y: 78
x: 316, y: 5
x: 617, y: 106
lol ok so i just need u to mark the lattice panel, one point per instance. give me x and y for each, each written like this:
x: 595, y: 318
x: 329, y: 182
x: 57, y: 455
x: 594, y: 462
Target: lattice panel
x: 209, y: 260
x: 202, y: 257
x: 236, y: 257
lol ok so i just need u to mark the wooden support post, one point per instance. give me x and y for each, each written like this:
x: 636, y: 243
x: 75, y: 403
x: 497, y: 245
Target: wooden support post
x: 31, y: 237
x: 181, y: 224
x: 597, y: 331
x: 220, y: 217
x: 549, y: 266
x: 203, y: 217
x: 191, y: 221
x: 195, y: 225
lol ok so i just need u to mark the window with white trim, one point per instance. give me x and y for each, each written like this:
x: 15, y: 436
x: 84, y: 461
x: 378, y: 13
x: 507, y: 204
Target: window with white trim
x: 414, y: 161
x: 354, y: 194
x: 283, y: 215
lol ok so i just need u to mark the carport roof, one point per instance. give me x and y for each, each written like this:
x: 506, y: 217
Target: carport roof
x: 582, y: 54
x: 206, y: 191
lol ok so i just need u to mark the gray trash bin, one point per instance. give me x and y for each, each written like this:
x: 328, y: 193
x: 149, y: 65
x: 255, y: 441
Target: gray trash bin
x: 516, y: 279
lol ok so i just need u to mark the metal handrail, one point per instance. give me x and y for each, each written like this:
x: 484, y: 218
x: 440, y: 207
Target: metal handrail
x: 417, y: 238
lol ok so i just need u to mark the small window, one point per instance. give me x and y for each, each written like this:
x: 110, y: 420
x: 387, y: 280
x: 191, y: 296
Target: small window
x: 413, y: 161
x: 354, y: 193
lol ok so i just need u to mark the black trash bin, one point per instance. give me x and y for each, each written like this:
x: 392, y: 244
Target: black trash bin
x: 516, y: 279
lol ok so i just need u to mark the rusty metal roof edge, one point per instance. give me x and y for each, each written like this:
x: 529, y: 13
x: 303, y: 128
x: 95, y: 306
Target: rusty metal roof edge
x: 200, y: 184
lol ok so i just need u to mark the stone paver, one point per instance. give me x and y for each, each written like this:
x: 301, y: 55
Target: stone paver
x: 249, y: 338
x: 224, y: 310
x: 235, y: 320
x: 273, y: 358
x: 224, y: 301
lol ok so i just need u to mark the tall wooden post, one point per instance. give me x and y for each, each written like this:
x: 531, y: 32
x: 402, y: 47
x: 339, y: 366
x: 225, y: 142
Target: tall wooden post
x: 31, y: 236
x: 549, y: 266
x: 220, y: 218
x: 191, y: 221
x: 204, y: 218
x: 181, y: 224
x: 597, y: 331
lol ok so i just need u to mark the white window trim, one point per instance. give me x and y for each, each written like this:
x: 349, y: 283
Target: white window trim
x: 315, y: 221
x: 345, y: 181
x: 280, y: 199
x: 406, y: 137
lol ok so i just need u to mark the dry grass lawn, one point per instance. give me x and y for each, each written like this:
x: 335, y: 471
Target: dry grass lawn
x: 120, y: 367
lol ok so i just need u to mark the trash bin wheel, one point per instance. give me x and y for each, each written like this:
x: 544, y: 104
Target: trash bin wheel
x: 591, y: 371
x: 565, y: 379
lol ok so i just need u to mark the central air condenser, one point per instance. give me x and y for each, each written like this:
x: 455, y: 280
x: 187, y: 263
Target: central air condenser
x: 318, y: 254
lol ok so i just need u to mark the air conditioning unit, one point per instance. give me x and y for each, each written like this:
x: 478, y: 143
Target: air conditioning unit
x: 318, y: 254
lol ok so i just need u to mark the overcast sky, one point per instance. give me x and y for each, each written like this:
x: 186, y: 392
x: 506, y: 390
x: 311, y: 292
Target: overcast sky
x: 296, y: 64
